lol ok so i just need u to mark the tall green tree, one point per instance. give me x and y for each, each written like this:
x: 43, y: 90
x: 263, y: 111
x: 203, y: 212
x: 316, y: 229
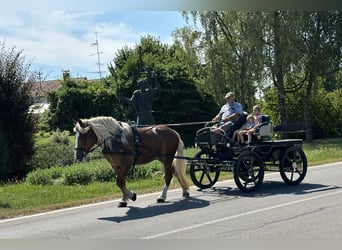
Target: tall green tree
x: 304, y: 50
x: 178, y: 100
x: 282, y: 55
x: 299, y: 49
x: 321, y: 34
x: 232, y: 47
x: 16, y: 123
x: 80, y: 99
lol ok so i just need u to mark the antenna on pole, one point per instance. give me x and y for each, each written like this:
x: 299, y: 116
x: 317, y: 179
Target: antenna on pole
x: 98, y: 52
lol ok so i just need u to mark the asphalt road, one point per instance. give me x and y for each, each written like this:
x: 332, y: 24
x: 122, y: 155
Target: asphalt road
x: 311, y: 210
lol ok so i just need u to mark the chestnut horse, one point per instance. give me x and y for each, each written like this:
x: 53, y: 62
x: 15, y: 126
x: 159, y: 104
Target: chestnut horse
x: 124, y: 146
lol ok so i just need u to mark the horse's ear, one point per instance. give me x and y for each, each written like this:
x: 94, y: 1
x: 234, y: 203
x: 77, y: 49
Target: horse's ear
x: 79, y: 121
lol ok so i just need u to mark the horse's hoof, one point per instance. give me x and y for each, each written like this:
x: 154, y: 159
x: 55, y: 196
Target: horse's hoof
x: 134, y: 197
x: 186, y: 194
x: 122, y: 204
x: 160, y: 200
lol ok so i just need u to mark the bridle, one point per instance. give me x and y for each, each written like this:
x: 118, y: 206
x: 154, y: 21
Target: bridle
x: 83, y: 149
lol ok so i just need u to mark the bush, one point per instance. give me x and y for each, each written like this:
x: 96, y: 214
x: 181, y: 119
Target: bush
x: 38, y: 177
x: 4, y: 155
x: 78, y: 174
x: 52, y: 154
x: 60, y: 137
x: 81, y: 173
x: 17, y: 123
x: 104, y: 173
x: 145, y: 171
x: 85, y: 173
x: 44, y: 176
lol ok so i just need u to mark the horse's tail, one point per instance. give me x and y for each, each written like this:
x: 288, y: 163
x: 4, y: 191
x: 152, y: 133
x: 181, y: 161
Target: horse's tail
x: 180, y: 165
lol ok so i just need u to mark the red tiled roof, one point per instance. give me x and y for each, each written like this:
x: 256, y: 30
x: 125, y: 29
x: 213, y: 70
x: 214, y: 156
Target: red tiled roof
x: 40, y: 89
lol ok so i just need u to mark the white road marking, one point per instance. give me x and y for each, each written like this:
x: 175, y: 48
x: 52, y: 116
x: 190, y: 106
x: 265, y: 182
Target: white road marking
x: 239, y: 215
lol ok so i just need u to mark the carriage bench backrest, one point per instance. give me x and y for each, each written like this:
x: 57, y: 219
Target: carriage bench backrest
x: 295, y: 127
x: 265, y: 128
x: 291, y: 128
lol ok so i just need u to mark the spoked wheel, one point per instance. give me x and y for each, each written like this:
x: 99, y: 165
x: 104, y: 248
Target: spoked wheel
x: 204, y: 173
x: 249, y: 171
x: 293, y: 166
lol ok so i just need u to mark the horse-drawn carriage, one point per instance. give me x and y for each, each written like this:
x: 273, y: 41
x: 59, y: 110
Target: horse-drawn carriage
x: 247, y: 163
x: 125, y: 146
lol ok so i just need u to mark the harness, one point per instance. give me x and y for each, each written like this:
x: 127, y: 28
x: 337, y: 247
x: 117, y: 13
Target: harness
x: 117, y: 146
x: 136, y: 143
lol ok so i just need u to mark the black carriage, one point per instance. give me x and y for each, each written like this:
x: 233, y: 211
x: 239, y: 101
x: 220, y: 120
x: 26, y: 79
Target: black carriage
x: 247, y: 163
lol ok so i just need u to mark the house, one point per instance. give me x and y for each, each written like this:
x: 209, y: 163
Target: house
x: 38, y: 92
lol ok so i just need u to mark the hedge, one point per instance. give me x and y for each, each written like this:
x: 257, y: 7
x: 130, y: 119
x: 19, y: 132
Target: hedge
x: 85, y: 173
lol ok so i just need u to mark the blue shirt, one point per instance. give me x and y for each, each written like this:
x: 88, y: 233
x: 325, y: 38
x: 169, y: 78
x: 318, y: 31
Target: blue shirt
x: 227, y: 110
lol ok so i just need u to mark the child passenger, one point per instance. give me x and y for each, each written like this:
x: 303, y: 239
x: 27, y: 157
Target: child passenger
x: 250, y: 127
x: 250, y: 123
x: 257, y: 122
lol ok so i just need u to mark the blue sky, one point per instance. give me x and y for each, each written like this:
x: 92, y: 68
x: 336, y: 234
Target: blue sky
x: 57, y: 37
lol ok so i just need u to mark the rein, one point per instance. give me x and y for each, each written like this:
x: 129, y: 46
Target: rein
x: 179, y: 124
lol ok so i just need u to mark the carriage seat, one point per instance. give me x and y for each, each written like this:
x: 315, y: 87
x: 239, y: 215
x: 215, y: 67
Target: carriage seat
x: 265, y: 128
x: 206, y: 138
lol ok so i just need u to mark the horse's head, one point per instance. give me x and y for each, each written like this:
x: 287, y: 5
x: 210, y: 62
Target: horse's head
x: 85, y: 140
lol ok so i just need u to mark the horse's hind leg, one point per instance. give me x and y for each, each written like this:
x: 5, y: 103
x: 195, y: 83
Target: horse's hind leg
x: 168, y: 177
x: 183, y: 184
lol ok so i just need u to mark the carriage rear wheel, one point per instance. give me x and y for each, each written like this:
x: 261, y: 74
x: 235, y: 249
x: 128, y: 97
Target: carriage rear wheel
x: 249, y: 171
x: 204, y: 172
x: 293, y: 166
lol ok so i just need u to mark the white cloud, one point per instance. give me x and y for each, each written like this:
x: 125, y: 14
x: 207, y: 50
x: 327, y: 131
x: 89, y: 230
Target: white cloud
x: 63, y: 39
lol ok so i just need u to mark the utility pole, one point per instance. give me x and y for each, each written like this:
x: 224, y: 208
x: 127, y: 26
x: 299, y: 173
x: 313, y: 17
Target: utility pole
x: 98, y: 52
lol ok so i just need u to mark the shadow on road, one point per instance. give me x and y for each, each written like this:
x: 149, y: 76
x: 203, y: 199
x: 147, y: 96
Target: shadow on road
x: 217, y: 194
x: 135, y: 213
x: 269, y: 188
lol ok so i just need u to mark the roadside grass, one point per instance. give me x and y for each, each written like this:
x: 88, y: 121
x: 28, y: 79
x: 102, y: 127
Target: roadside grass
x: 323, y: 151
x: 21, y: 198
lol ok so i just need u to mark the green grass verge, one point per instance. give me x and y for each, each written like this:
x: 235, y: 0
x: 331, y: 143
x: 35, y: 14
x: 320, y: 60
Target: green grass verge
x: 323, y: 151
x: 19, y: 199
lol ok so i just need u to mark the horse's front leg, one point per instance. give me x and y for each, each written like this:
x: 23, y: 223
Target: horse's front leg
x: 121, y: 183
x: 163, y: 195
x: 126, y: 193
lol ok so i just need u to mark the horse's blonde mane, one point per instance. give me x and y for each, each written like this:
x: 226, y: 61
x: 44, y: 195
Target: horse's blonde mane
x: 106, y: 128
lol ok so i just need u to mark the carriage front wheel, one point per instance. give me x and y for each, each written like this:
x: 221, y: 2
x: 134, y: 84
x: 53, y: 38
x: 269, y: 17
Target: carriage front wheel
x: 203, y: 171
x: 249, y: 171
x: 293, y: 166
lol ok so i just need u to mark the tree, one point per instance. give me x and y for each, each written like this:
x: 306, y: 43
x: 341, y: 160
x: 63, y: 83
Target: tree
x: 322, y: 41
x: 282, y: 52
x: 16, y: 123
x: 301, y: 54
x: 232, y: 48
x: 303, y: 49
x: 80, y: 99
x: 178, y: 100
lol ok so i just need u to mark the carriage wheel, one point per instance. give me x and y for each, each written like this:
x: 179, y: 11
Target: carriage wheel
x: 293, y: 166
x: 249, y: 171
x: 203, y: 173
